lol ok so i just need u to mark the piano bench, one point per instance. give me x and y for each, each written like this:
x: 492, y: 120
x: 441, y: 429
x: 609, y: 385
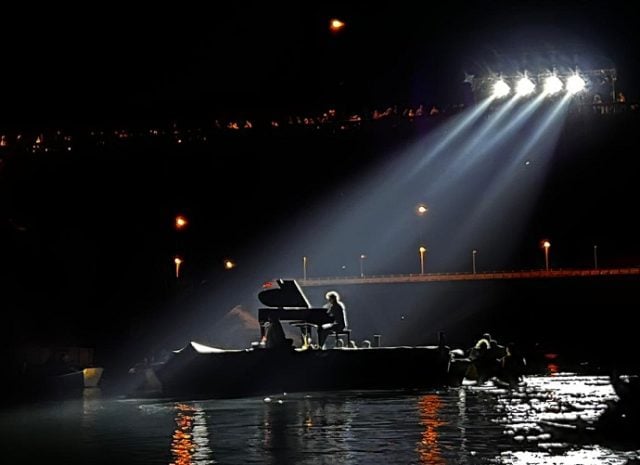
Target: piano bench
x: 344, y: 332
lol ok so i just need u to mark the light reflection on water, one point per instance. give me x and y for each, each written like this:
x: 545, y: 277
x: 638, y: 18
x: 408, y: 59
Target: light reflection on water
x: 468, y: 425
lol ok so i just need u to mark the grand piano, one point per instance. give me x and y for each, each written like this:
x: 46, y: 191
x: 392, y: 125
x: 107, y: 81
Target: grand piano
x: 288, y: 303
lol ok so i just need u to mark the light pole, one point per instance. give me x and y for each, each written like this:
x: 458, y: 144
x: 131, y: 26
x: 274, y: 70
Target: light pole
x: 421, y: 211
x: 362, y: 257
x: 473, y: 260
x: 422, y: 251
x: 595, y: 257
x: 304, y: 267
x: 546, y: 245
x: 178, y: 262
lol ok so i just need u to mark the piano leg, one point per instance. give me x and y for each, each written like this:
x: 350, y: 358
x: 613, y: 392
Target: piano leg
x: 306, y: 335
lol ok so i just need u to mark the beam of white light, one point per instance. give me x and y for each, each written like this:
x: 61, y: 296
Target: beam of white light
x: 473, y: 147
x: 452, y: 132
x: 497, y: 141
x: 542, y: 141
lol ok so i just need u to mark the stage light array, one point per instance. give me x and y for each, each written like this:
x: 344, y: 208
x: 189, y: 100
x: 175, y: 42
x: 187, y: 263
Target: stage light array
x: 552, y: 85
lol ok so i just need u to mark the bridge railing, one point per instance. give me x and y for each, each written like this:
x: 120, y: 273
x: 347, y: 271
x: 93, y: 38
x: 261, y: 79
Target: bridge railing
x: 469, y: 276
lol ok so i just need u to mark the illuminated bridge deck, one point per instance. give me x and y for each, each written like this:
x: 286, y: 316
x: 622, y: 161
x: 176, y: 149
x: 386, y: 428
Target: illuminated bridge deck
x: 496, y: 275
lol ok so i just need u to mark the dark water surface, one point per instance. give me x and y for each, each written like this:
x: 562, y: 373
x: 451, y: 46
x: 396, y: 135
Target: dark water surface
x: 467, y: 425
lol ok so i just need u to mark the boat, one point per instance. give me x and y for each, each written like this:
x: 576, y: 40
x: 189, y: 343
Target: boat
x: 201, y: 371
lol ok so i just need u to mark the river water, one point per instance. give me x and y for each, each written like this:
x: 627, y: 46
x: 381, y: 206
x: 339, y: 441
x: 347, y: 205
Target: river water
x: 466, y: 425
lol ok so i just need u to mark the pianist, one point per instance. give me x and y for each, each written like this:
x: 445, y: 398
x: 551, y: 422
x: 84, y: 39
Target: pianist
x: 338, y: 314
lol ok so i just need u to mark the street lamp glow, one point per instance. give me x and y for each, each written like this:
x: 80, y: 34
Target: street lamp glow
x: 228, y: 264
x: 473, y: 260
x: 336, y: 25
x: 178, y: 262
x: 546, y: 245
x: 181, y: 222
x: 422, y: 251
x: 421, y: 209
x: 362, y: 258
x: 304, y: 267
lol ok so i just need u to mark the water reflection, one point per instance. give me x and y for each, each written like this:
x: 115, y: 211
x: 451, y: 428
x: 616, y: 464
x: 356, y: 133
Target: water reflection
x: 190, y: 440
x: 429, y: 413
x: 471, y: 425
x: 318, y: 428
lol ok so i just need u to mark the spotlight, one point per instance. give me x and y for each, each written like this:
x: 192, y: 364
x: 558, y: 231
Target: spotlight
x: 501, y: 89
x: 525, y: 86
x: 552, y: 85
x: 575, y: 84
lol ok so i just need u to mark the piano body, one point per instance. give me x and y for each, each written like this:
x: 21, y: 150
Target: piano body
x: 288, y: 303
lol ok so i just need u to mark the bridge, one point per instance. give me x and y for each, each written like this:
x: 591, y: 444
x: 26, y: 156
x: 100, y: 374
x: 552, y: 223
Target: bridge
x: 484, y: 276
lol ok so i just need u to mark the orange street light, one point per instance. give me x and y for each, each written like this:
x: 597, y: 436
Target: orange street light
x: 229, y: 264
x: 181, y: 222
x: 545, y: 246
x: 422, y: 251
x: 335, y: 25
x: 178, y: 262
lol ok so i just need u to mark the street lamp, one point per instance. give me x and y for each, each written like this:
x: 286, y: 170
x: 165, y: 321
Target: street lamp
x: 421, y: 209
x: 178, y: 262
x: 595, y: 257
x: 422, y: 251
x: 229, y: 264
x: 545, y: 246
x: 181, y: 222
x: 473, y: 260
x: 336, y: 25
x: 304, y: 267
x: 362, y: 258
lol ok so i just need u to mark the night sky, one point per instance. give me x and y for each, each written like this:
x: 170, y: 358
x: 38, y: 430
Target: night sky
x: 126, y: 62
x: 90, y: 231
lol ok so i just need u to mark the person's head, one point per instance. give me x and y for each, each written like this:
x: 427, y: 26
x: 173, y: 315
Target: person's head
x: 332, y: 296
x: 486, y: 336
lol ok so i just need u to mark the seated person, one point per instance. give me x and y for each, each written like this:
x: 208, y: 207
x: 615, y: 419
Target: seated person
x: 337, y: 311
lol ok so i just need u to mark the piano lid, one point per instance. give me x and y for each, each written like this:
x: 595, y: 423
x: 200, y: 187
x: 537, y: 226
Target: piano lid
x: 288, y: 295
